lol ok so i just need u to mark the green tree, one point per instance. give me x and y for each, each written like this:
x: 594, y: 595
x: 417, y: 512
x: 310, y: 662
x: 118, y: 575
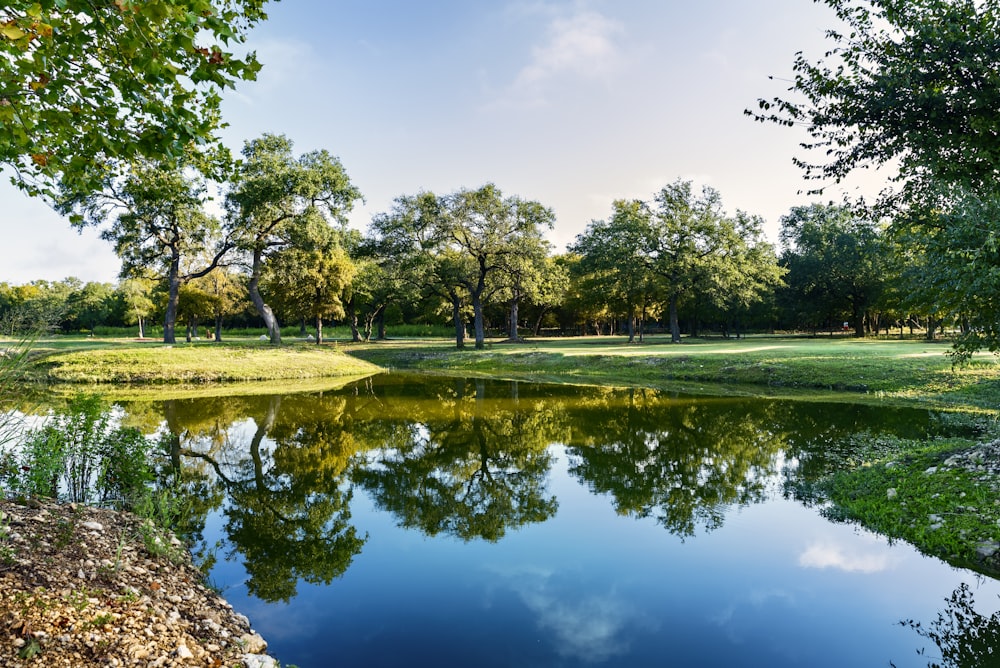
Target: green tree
x: 489, y: 230
x: 612, y: 253
x: 91, y: 305
x: 310, y: 276
x: 837, y: 264
x: 139, y: 305
x: 521, y: 276
x: 228, y: 292
x: 158, y: 225
x: 905, y: 83
x: 413, y: 235
x: 275, y: 199
x: 86, y: 87
x: 912, y: 85
x: 953, y: 270
x: 745, y: 273
x: 549, y: 289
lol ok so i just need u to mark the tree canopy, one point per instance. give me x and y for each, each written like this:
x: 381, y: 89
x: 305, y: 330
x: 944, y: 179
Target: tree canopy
x: 277, y: 201
x: 89, y: 87
x: 907, y: 83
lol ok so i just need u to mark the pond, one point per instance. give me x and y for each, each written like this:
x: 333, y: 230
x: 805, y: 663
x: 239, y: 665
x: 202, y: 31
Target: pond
x: 434, y: 521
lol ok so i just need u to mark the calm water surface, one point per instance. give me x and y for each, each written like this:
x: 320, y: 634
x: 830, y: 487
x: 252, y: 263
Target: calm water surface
x: 428, y: 521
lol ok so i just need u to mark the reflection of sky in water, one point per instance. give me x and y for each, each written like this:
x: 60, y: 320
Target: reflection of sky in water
x: 855, y: 558
x: 584, y: 626
x: 777, y: 585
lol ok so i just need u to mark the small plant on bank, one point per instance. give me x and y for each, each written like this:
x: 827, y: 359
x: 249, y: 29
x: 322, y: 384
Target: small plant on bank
x: 8, y: 557
x: 81, y: 456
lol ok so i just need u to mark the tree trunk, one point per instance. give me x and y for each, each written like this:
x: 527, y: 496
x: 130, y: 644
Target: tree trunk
x: 187, y: 336
x: 859, y: 322
x: 352, y: 320
x: 218, y: 328
x: 319, y: 330
x: 173, y: 296
x: 631, y: 328
x: 477, y: 311
x: 302, y: 327
x: 512, y: 320
x: 675, y: 328
x: 642, y: 322
x: 456, y: 318
x: 538, y: 323
x: 141, y: 334
x: 271, y: 322
x: 381, y: 326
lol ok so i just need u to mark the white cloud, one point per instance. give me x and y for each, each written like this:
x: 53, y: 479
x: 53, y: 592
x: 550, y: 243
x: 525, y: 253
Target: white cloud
x: 588, y: 629
x: 583, y: 46
x: 827, y: 555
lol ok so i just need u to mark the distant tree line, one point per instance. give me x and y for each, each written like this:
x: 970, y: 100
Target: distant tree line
x: 280, y: 252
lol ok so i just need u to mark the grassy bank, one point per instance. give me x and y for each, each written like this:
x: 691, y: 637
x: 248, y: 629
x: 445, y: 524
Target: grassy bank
x: 939, y: 496
x: 907, y: 371
x: 120, y: 362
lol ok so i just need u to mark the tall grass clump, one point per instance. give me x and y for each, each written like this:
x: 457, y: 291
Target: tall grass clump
x: 80, y: 455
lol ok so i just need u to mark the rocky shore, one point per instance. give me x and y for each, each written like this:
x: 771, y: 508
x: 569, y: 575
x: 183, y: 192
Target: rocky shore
x: 82, y: 586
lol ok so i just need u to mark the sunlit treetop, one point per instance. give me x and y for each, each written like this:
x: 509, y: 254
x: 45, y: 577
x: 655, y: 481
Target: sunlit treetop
x: 89, y: 85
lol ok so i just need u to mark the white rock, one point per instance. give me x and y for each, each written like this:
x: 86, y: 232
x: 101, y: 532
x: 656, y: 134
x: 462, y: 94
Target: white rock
x: 184, y: 653
x: 92, y: 526
x: 931, y: 470
x: 253, y: 643
x: 890, y: 493
x: 259, y: 661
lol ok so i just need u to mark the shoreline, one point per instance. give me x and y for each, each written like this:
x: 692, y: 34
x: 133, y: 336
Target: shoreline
x: 81, y: 585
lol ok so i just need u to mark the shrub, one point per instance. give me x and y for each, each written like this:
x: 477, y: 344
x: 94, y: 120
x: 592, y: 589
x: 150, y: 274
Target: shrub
x: 94, y: 460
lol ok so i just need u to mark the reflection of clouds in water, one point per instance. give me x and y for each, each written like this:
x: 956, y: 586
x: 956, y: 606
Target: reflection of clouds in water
x: 756, y: 600
x: 589, y: 628
x: 829, y: 555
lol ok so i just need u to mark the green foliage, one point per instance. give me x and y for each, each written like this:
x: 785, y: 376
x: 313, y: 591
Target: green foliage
x: 651, y: 255
x: 912, y: 86
x: 157, y: 220
x: 837, y: 266
x: 88, y: 87
x: 908, y: 83
x: 80, y: 456
x: 277, y: 202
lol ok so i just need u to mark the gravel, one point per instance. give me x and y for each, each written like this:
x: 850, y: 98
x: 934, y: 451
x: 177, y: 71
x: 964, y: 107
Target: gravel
x: 78, y: 587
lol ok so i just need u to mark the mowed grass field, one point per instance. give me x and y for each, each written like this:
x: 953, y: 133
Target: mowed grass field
x: 903, y: 370
x: 909, y: 370
x: 127, y: 361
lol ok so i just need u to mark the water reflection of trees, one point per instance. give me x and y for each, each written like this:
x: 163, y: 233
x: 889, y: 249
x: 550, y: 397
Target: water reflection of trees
x: 472, y: 470
x: 681, y: 461
x: 470, y: 458
x: 964, y: 637
x: 288, y: 511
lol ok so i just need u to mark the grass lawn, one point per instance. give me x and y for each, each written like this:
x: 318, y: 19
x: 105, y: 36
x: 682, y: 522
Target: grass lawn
x: 909, y: 370
x: 127, y: 361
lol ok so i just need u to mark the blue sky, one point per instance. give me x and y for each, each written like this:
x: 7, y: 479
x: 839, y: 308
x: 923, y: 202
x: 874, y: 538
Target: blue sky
x: 573, y: 103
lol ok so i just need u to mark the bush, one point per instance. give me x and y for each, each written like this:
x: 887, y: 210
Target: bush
x: 95, y: 461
